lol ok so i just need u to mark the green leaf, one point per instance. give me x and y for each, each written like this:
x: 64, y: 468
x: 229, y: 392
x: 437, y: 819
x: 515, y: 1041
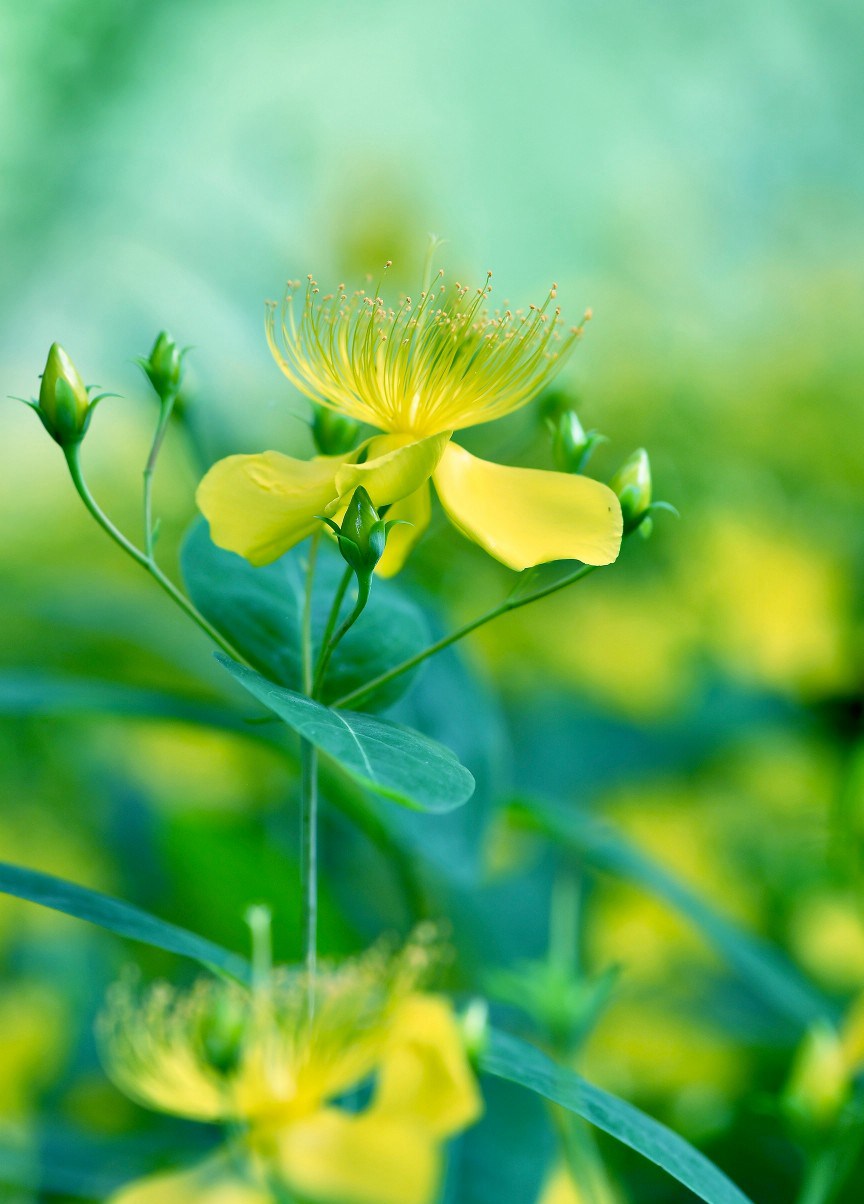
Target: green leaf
x: 768, y: 973
x: 117, y: 916
x: 508, y: 1058
x: 261, y: 611
x: 395, y: 761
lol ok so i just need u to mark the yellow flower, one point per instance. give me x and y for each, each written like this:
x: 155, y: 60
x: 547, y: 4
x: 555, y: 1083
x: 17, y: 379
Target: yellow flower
x: 279, y: 1064
x: 418, y: 372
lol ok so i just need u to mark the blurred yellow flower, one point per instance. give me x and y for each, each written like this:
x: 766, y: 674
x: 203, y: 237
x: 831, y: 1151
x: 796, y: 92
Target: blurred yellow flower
x: 278, y: 1063
x: 418, y: 372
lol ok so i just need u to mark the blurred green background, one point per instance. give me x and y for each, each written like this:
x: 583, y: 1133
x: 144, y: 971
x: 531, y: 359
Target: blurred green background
x: 693, y: 173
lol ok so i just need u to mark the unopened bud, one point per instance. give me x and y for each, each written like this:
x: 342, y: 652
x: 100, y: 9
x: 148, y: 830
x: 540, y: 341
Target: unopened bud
x: 571, y: 446
x: 334, y: 434
x: 632, y: 483
x: 164, y: 366
x: 64, y: 404
x: 363, y: 535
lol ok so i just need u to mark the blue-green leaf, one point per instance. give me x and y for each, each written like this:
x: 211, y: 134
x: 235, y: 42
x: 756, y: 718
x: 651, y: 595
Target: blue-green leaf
x: 508, y: 1058
x: 117, y: 916
x: 260, y: 610
x: 395, y: 761
x: 766, y: 971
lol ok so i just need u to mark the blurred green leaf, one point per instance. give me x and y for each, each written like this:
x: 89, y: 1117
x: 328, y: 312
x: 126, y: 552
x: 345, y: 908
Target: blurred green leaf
x: 508, y: 1058
x: 261, y: 611
x: 117, y: 916
x: 775, y: 979
x: 396, y: 762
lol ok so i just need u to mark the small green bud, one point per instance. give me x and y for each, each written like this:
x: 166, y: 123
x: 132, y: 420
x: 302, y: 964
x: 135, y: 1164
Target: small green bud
x: 164, y: 366
x: 632, y: 483
x: 363, y: 535
x: 334, y: 434
x: 571, y: 446
x: 64, y: 404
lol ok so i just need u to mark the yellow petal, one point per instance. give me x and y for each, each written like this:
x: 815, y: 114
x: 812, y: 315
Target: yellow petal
x: 359, y: 1159
x: 396, y: 466
x: 524, y: 516
x: 425, y: 1074
x: 260, y: 506
x: 212, y: 1182
x: 414, y: 509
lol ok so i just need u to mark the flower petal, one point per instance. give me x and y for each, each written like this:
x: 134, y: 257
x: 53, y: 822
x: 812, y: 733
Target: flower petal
x: 414, y: 509
x: 359, y: 1159
x: 212, y: 1182
x: 396, y: 465
x: 425, y: 1074
x: 262, y: 505
x: 525, y: 516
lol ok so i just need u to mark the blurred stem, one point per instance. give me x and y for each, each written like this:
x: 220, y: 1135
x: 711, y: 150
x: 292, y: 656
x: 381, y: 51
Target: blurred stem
x: 581, y: 1157
x: 147, y: 562
x: 167, y: 405
x: 564, y: 914
x: 309, y: 802
x: 509, y: 604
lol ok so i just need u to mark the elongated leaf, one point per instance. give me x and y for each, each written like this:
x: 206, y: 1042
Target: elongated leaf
x: 508, y: 1058
x: 767, y: 972
x: 36, y: 693
x: 116, y: 916
x: 261, y: 612
x: 401, y: 764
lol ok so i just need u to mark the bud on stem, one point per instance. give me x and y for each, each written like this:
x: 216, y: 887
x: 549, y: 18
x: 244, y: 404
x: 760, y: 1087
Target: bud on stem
x: 64, y: 404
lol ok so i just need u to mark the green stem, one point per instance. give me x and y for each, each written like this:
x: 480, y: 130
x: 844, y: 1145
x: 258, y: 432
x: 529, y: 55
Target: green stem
x: 309, y: 864
x: 581, y: 1157
x: 309, y: 804
x: 332, y: 619
x: 564, y: 917
x: 146, y: 561
x: 509, y: 604
x: 818, y: 1182
x: 328, y: 650
x: 150, y: 467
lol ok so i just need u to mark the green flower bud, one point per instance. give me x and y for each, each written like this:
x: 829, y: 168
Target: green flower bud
x: 164, y: 366
x: 363, y: 535
x: 64, y: 404
x: 571, y: 446
x: 334, y: 434
x: 632, y: 483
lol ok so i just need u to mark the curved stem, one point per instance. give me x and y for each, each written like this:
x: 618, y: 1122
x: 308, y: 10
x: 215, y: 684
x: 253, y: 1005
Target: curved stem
x: 150, y: 467
x: 146, y: 561
x: 332, y: 619
x: 328, y: 650
x: 509, y: 604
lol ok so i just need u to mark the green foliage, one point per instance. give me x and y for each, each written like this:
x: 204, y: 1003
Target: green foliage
x: 117, y: 916
x: 261, y: 612
x: 509, y: 1058
x: 396, y: 762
